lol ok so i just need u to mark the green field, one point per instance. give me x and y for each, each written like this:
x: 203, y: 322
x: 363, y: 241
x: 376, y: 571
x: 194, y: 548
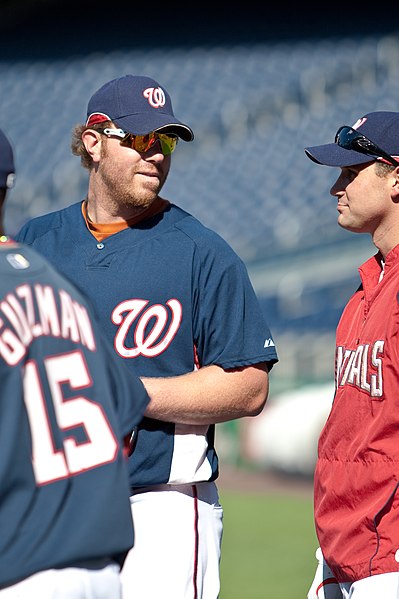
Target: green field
x: 268, y: 546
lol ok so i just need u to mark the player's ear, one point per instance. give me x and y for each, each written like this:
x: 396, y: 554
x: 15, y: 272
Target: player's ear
x: 395, y: 174
x: 395, y: 185
x: 92, y: 142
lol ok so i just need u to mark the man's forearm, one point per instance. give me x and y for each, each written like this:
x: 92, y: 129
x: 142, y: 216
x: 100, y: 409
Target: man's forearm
x: 209, y: 395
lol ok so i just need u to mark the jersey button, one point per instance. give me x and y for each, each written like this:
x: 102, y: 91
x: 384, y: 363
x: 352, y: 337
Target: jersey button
x: 100, y: 246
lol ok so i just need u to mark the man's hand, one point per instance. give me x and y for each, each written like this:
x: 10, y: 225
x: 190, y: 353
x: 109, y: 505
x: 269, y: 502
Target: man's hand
x: 324, y: 585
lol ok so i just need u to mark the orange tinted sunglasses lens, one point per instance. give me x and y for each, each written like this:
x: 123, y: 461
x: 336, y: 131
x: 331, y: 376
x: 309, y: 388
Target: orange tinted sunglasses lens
x: 142, y: 143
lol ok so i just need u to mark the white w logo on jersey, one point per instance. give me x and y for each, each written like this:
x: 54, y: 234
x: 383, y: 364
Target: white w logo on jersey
x: 155, y: 96
x: 150, y: 340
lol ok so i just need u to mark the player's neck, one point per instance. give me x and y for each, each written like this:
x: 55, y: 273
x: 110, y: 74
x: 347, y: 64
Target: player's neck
x: 108, y: 213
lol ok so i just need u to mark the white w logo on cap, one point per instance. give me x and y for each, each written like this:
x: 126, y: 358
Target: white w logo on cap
x: 155, y: 96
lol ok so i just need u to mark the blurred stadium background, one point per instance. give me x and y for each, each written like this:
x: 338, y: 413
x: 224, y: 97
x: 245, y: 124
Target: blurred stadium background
x: 257, y: 85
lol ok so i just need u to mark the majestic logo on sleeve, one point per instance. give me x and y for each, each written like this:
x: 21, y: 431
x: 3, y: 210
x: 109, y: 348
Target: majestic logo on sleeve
x: 361, y: 367
x: 152, y: 328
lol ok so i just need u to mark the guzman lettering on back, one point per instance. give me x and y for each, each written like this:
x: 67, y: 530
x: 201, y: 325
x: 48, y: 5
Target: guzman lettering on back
x: 39, y: 310
x: 361, y: 367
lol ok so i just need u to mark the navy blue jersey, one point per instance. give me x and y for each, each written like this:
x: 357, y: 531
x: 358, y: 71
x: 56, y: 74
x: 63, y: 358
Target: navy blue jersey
x: 66, y: 402
x: 172, y: 296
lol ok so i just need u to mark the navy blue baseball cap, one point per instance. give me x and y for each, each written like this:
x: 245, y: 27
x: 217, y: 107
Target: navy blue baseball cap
x: 138, y: 105
x: 7, y: 168
x: 381, y: 128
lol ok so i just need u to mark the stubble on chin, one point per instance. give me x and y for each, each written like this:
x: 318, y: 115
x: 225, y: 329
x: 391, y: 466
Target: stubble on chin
x: 130, y: 193
x: 139, y: 195
x: 141, y: 201
x: 129, y: 189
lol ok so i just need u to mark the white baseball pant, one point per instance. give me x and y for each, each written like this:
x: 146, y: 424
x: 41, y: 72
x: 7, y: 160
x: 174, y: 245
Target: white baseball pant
x: 380, y: 586
x: 68, y: 583
x: 178, y: 534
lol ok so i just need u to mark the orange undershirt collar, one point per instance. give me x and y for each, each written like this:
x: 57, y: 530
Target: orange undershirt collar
x: 103, y: 230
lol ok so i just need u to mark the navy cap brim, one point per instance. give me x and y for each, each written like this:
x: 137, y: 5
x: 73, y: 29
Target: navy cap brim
x: 334, y: 155
x: 142, y: 124
x: 183, y: 131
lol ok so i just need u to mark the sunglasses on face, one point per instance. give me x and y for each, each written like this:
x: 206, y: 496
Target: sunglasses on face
x: 142, y: 143
x: 350, y: 139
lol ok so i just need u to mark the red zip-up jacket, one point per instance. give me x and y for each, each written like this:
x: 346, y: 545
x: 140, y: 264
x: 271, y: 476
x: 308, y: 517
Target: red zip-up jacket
x: 357, y: 472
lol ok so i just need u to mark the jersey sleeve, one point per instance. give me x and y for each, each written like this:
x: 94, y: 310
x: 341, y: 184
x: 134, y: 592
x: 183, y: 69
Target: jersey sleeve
x: 230, y: 328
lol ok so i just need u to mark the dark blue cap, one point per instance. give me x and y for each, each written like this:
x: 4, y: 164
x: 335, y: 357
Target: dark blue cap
x: 137, y: 105
x: 7, y: 169
x: 381, y: 127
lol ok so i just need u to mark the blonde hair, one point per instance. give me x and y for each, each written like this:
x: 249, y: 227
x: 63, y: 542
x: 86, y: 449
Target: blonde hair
x: 77, y: 145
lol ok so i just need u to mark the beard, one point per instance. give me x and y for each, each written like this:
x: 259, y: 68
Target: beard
x: 126, y: 194
x: 127, y: 187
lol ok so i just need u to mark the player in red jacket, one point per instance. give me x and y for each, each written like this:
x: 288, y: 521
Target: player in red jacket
x: 357, y: 474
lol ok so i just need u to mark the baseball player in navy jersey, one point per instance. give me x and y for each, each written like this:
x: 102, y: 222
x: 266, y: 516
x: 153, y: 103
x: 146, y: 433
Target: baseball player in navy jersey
x: 357, y: 478
x: 66, y: 404
x: 178, y: 308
